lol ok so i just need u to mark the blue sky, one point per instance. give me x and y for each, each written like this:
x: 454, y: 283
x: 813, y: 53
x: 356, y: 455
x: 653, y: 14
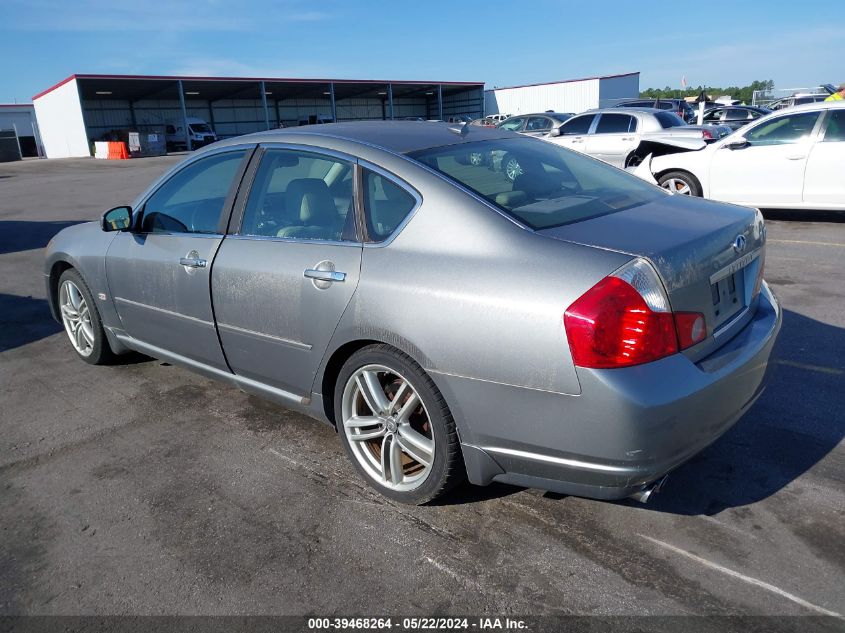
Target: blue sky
x: 501, y: 43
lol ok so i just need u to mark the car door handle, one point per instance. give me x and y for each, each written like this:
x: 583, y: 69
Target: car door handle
x: 796, y: 157
x: 578, y: 140
x: 192, y: 262
x: 325, y: 275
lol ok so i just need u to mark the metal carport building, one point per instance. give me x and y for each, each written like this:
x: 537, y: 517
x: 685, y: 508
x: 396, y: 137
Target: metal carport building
x: 83, y: 108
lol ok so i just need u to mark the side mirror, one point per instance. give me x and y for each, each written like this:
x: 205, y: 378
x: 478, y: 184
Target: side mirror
x: 555, y: 131
x: 117, y: 219
x: 737, y: 144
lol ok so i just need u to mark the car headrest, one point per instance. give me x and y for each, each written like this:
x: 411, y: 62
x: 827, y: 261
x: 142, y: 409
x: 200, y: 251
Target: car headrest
x: 311, y: 196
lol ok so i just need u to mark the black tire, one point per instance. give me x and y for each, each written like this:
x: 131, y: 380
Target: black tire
x: 101, y: 353
x: 684, y: 177
x: 447, y: 467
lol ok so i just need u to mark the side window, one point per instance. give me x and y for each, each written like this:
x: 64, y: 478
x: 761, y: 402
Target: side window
x: 577, y: 125
x: 514, y: 124
x: 735, y: 114
x: 538, y: 123
x: 386, y: 205
x: 192, y: 200
x: 835, y: 130
x: 791, y: 128
x: 715, y: 115
x: 301, y: 195
x: 616, y: 124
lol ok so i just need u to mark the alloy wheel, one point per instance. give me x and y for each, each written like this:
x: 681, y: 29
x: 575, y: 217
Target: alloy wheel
x: 76, y: 317
x: 388, y: 427
x: 676, y: 185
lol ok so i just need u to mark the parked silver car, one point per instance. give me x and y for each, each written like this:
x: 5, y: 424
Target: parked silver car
x: 624, y: 138
x: 538, y: 124
x: 575, y: 329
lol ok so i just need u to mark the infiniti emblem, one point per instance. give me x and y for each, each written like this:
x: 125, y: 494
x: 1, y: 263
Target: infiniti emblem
x: 739, y: 243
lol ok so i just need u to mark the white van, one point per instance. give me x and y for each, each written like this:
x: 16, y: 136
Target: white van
x: 200, y: 132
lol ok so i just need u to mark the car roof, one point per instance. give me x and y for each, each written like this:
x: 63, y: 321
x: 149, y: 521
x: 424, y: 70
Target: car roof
x: 395, y: 136
x: 818, y: 105
x: 615, y: 110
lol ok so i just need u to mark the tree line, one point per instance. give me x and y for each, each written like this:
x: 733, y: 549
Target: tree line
x: 743, y: 93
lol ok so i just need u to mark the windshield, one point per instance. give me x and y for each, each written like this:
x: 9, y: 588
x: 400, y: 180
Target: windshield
x: 540, y: 184
x: 200, y: 127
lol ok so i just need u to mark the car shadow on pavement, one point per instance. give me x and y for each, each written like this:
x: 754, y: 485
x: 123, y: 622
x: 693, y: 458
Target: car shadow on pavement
x: 24, y: 320
x: 798, y: 420
x: 25, y: 235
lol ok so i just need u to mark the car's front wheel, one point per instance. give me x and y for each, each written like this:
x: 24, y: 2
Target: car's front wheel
x: 511, y: 167
x: 81, y: 319
x: 396, y: 426
x: 680, y: 182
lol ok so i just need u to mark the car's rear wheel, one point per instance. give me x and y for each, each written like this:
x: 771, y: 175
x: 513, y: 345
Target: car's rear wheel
x: 81, y: 320
x: 396, y: 426
x: 680, y: 182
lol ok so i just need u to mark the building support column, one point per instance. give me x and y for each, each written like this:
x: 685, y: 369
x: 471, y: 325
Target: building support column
x: 440, y: 101
x: 185, y: 129
x: 132, y: 114
x: 264, y: 103
x: 211, y: 115
x: 333, y: 102
x: 390, y: 100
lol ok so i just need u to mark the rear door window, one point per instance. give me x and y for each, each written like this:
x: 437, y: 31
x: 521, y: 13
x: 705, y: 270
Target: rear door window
x: 835, y: 130
x: 616, y: 124
x: 301, y: 195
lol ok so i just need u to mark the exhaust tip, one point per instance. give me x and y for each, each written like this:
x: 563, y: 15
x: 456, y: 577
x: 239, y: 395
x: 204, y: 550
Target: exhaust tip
x: 645, y: 493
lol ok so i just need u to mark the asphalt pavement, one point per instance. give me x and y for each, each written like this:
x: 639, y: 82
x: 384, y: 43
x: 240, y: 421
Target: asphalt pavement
x: 146, y: 489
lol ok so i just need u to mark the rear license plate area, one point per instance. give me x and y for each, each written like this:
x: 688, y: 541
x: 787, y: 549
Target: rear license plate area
x: 728, y: 295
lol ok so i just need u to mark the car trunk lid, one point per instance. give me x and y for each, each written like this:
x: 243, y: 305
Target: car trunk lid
x: 708, y: 256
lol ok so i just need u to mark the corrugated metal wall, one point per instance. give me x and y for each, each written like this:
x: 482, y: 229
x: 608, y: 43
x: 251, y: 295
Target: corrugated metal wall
x: 570, y: 96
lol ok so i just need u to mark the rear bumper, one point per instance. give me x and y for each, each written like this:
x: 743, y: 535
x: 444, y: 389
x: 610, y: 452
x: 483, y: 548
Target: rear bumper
x: 627, y: 428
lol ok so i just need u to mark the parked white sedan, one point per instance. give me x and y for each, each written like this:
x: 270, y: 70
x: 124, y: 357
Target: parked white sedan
x: 793, y: 158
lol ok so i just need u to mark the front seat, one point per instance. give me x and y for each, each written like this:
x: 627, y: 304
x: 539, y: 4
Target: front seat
x: 318, y: 216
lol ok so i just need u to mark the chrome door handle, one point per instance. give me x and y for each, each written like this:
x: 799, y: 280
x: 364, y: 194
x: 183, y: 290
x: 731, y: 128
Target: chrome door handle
x: 796, y: 157
x: 192, y: 262
x: 324, y: 275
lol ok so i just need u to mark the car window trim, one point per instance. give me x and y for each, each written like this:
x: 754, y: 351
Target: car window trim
x: 396, y: 180
x: 234, y: 228
x: 225, y: 211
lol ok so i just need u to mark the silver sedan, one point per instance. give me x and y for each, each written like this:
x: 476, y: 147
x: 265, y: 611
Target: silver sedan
x: 574, y: 329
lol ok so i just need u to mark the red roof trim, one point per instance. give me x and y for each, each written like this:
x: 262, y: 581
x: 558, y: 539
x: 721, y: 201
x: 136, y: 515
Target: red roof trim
x: 267, y: 79
x: 565, y: 81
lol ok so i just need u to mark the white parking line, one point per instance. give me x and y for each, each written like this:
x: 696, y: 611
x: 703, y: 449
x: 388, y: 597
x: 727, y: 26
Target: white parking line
x: 804, y: 242
x: 743, y: 577
x: 819, y: 368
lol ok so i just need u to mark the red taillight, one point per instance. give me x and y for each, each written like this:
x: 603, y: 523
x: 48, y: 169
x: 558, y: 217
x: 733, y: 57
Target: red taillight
x: 611, y: 325
x: 691, y: 328
x: 706, y: 135
x: 625, y: 320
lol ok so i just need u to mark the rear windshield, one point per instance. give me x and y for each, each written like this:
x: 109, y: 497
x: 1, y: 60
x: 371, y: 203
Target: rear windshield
x: 537, y: 182
x: 669, y: 119
x: 200, y: 127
